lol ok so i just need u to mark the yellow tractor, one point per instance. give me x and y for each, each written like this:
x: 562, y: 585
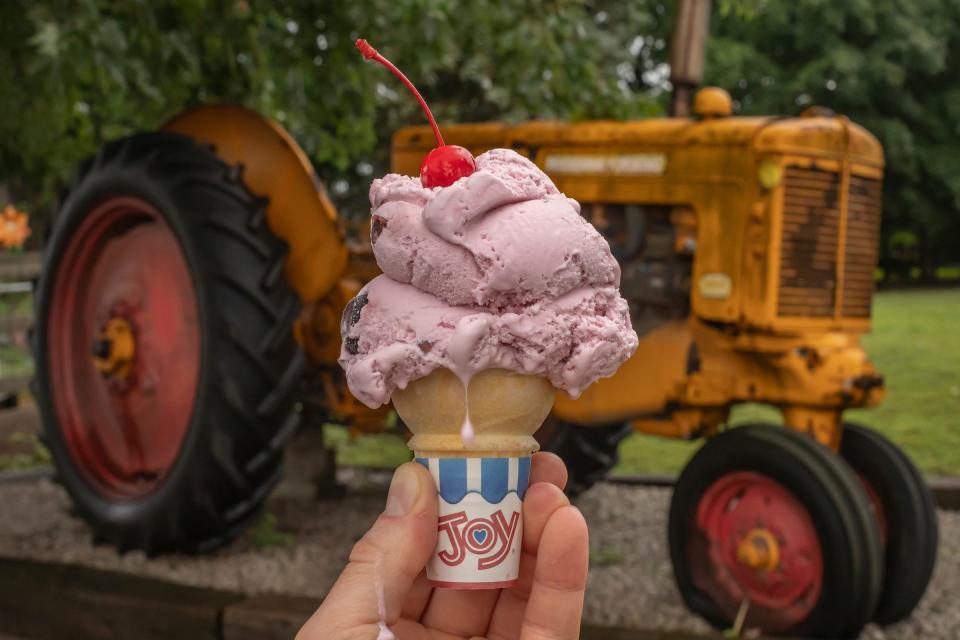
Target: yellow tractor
x: 748, y: 247
x: 189, y: 308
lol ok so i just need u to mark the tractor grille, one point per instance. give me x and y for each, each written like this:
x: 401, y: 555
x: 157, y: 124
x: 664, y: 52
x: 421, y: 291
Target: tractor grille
x: 811, y: 233
x: 863, y: 239
x: 808, y: 263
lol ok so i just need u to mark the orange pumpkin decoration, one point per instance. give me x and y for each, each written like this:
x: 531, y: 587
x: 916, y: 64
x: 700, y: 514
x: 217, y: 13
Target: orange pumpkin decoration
x: 14, y: 228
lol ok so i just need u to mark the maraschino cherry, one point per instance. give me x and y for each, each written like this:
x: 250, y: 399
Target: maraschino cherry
x: 445, y: 164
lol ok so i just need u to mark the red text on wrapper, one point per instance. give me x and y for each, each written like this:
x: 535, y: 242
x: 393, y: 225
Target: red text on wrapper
x: 490, y: 538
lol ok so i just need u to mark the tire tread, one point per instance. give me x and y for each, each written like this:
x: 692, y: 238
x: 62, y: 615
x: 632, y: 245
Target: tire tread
x: 246, y: 416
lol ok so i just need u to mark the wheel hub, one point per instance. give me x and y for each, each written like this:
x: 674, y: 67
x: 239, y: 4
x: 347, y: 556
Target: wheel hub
x: 759, y: 550
x: 114, y: 349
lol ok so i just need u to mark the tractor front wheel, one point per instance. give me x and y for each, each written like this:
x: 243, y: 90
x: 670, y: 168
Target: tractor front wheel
x: 906, y: 513
x: 167, y: 372
x: 771, y: 530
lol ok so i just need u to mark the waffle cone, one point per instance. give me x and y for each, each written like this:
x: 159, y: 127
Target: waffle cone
x: 506, y: 408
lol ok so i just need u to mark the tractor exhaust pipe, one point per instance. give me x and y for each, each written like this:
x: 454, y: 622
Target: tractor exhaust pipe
x: 691, y: 25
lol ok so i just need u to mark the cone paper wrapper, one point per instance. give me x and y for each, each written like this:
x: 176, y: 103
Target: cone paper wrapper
x: 480, y: 529
x: 480, y: 483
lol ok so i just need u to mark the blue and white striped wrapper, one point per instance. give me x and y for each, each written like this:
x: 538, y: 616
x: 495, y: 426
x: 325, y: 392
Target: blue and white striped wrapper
x: 480, y: 529
x: 492, y: 478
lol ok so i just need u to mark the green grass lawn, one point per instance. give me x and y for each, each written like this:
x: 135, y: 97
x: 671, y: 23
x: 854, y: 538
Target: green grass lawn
x: 15, y: 358
x: 915, y: 343
x: 380, y: 450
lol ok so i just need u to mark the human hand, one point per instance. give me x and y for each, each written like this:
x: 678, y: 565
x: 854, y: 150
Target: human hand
x: 384, y: 584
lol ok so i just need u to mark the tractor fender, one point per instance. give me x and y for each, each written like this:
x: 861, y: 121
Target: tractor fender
x: 274, y: 166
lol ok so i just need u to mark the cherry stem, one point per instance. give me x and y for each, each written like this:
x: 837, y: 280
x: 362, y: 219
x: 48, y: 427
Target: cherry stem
x: 368, y: 52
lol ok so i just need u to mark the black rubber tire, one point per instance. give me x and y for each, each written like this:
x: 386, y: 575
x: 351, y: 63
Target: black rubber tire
x: 589, y: 452
x: 250, y: 365
x: 911, y: 517
x: 838, y: 506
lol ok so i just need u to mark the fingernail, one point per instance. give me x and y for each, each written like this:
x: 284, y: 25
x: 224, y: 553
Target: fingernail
x: 404, y: 490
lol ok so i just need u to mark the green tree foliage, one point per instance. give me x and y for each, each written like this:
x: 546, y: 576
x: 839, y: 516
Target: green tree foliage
x: 892, y: 66
x: 74, y: 73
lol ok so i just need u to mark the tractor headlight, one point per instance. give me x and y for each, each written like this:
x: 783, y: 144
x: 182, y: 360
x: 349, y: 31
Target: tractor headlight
x: 769, y: 174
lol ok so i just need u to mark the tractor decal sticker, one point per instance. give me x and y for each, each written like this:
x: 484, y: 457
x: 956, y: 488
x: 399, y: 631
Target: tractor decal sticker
x: 622, y: 164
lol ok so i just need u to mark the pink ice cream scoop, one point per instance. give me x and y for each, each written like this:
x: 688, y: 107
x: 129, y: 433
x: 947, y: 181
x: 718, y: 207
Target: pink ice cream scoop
x: 497, y: 270
x: 502, y: 238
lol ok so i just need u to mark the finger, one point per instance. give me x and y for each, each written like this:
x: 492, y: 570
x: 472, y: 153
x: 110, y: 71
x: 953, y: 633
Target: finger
x: 508, y: 613
x: 539, y: 505
x: 560, y: 579
x: 548, y: 467
x: 463, y: 613
x: 417, y: 598
x: 384, y: 563
x: 409, y: 630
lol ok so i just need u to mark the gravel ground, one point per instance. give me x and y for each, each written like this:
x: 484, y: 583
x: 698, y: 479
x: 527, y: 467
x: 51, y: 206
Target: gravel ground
x: 630, y: 576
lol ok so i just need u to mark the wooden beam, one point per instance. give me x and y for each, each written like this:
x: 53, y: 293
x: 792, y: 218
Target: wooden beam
x: 45, y: 600
x: 23, y: 266
x: 267, y: 617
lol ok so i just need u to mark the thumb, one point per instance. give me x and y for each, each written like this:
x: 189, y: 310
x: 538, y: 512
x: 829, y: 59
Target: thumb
x: 384, y: 563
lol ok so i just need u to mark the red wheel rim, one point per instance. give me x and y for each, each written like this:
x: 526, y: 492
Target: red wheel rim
x: 779, y: 598
x: 124, y: 260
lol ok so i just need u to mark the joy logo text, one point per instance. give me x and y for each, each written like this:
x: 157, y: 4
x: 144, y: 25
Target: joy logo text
x: 489, y: 538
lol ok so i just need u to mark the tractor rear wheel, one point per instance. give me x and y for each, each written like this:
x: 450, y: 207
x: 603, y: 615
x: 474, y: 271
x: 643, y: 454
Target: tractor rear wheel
x: 907, y: 515
x: 589, y: 452
x: 167, y: 372
x: 768, y: 524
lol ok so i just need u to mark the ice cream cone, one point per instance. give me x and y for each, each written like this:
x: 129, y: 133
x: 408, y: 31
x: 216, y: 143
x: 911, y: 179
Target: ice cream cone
x: 481, y: 483
x: 505, y: 408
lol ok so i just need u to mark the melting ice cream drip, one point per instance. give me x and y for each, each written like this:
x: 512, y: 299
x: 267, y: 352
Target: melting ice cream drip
x: 384, y: 633
x: 461, y: 348
x: 466, y: 429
